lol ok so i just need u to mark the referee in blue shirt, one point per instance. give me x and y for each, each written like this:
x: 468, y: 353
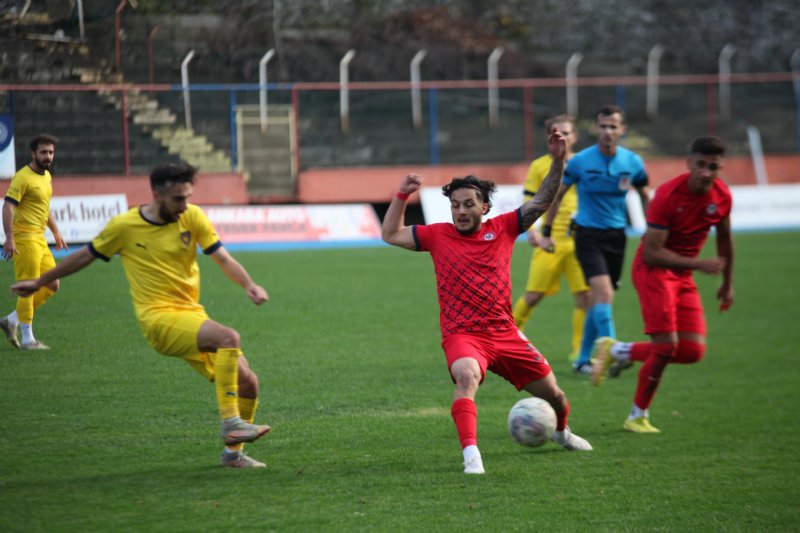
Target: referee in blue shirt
x: 603, y: 175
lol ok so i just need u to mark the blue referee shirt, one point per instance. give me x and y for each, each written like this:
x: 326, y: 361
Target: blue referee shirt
x: 602, y: 184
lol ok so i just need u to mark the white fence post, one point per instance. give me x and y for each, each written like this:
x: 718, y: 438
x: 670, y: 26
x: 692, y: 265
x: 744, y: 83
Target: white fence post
x: 572, y: 83
x: 187, y: 105
x: 344, y: 91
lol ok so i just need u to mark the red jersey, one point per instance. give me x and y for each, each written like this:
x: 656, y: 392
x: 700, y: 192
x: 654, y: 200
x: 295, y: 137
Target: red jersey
x: 473, y: 273
x: 686, y: 215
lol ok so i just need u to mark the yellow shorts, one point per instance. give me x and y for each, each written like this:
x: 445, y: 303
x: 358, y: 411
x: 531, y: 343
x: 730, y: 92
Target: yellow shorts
x: 547, y: 268
x: 33, y: 258
x: 174, y: 334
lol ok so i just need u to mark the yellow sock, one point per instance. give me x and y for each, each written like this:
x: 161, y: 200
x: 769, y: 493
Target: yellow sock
x: 521, y: 312
x: 25, y: 309
x: 226, y: 376
x: 41, y: 296
x: 247, y: 410
x: 578, y: 318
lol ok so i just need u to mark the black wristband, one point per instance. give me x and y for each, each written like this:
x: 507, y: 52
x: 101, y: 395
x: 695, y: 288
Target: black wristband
x: 547, y: 230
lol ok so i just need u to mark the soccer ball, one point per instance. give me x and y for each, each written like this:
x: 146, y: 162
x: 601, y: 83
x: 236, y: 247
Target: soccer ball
x: 531, y: 422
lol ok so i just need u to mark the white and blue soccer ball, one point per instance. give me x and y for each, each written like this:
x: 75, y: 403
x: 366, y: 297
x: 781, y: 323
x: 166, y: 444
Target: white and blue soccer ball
x: 531, y: 422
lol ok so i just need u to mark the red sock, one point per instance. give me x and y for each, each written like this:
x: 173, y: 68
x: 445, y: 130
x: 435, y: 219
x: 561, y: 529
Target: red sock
x: 465, y: 415
x: 650, y: 373
x: 640, y: 351
x: 561, y: 418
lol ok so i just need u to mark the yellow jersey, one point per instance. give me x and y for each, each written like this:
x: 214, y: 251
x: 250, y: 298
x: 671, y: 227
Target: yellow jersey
x: 537, y: 172
x: 160, y: 260
x: 30, y: 192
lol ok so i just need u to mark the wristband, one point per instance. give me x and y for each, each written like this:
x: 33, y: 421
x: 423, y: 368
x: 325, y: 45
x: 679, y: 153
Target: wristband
x: 402, y: 196
x: 547, y: 230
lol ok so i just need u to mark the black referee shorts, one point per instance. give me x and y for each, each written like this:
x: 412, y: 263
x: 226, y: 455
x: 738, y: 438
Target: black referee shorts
x: 600, y: 252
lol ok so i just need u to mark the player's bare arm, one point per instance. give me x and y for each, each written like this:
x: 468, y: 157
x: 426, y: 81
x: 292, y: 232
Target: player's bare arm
x: 394, y: 231
x: 725, y: 251
x: 9, y: 247
x: 540, y: 203
x: 237, y: 273
x: 644, y: 197
x: 73, y: 263
x: 546, y: 243
x: 61, y: 244
x: 655, y: 253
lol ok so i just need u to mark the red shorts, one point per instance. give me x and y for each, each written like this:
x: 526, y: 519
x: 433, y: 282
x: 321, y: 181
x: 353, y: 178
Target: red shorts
x: 509, y: 354
x: 669, y: 300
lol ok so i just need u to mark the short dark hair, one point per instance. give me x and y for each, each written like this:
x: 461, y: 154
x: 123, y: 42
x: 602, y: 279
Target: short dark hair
x: 165, y: 175
x: 707, y: 145
x: 42, y: 138
x: 484, y: 187
x: 558, y: 119
x: 608, y: 110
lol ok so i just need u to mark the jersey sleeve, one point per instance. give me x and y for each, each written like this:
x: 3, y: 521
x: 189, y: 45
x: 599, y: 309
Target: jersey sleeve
x: 658, y: 212
x: 109, y: 241
x: 727, y: 203
x: 536, y: 173
x: 572, y: 172
x: 511, y: 223
x: 423, y: 236
x: 16, y: 189
x: 641, y: 179
x: 204, y: 232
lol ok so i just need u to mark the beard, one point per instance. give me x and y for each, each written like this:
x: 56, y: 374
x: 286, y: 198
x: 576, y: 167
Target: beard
x: 42, y: 164
x: 167, y: 216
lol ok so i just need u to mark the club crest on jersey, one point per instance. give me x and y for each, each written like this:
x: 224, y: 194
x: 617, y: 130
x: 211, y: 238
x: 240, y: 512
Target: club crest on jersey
x: 625, y: 183
x: 186, y: 237
x: 711, y: 209
x: 489, y: 236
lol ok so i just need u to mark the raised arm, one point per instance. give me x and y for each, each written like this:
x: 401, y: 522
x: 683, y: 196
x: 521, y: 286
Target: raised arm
x: 237, y: 273
x: 73, y: 263
x: 725, y: 251
x: 394, y: 231
x: 536, y: 206
x: 545, y: 241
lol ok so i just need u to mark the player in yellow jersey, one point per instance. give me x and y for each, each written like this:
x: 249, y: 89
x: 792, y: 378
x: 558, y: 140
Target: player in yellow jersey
x: 548, y: 264
x: 157, y: 243
x: 26, y: 215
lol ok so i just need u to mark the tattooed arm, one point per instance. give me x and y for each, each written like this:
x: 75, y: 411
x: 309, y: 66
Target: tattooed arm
x: 536, y: 206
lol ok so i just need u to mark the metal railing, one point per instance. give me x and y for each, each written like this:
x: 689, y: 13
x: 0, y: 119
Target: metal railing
x: 476, y: 121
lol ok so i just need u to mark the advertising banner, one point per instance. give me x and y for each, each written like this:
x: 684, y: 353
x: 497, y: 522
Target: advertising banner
x: 7, y: 163
x: 80, y: 218
x: 758, y: 207
x: 294, y: 223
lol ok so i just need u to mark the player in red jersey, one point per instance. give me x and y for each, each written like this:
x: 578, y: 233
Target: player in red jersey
x: 472, y: 261
x: 678, y: 221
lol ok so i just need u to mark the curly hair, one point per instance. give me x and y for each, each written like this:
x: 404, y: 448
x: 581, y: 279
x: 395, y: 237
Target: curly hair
x: 484, y: 187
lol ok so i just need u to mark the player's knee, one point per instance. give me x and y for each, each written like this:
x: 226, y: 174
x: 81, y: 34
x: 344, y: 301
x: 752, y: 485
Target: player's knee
x: 689, y: 352
x: 229, y: 338
x: 54, y: 285
x: 466, y: 377
x: 533, y: 298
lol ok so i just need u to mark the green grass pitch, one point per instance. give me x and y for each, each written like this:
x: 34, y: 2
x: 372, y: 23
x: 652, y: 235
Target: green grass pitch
x: 103, y: 434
